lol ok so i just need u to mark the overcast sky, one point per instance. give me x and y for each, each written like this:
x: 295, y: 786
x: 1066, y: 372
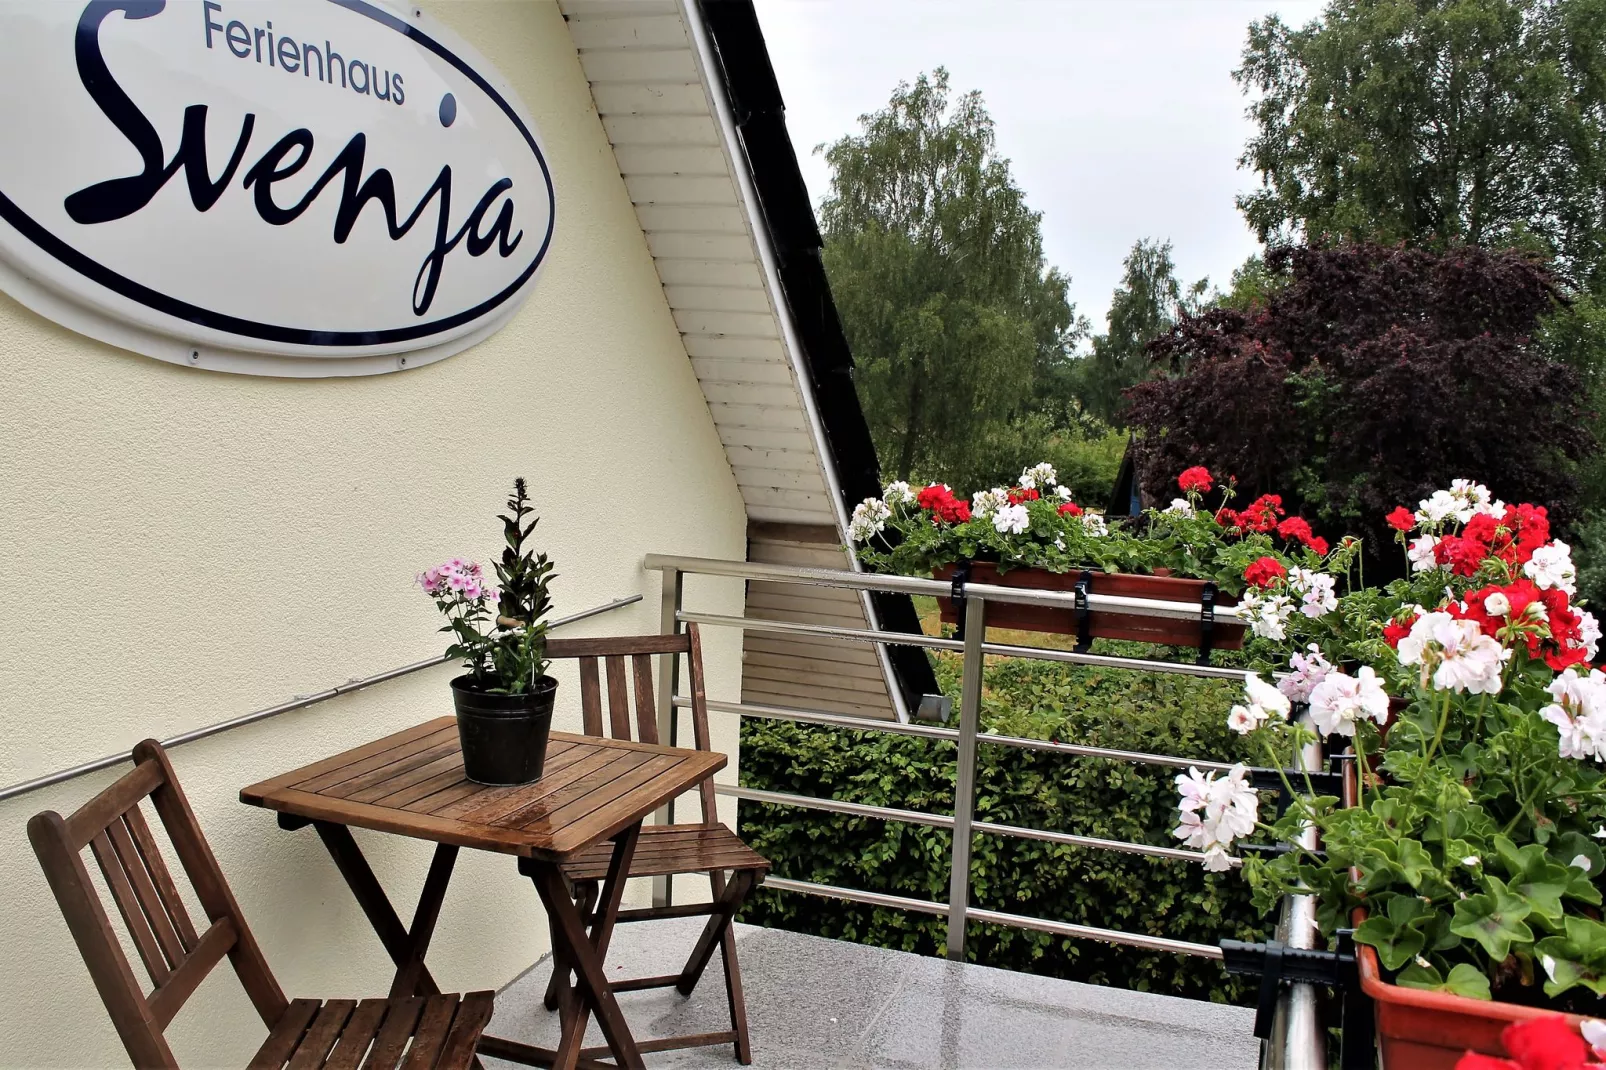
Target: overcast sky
x: 1120, y: 117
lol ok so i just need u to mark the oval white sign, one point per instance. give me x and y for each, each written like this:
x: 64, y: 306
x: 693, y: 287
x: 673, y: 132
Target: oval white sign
x: 284, y: 187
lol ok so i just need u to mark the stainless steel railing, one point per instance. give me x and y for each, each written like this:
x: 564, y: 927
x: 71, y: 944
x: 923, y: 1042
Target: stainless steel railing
x: 1298, y: 1041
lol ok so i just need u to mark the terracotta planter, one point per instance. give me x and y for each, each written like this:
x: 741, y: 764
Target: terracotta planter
x: 1420, y: 1030
x: 1104, y: 625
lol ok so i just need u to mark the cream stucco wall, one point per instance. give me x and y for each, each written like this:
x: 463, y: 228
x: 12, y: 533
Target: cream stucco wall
x: 184, y: 546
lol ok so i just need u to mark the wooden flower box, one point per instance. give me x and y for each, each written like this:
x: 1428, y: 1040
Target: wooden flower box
x: 1102, y: 624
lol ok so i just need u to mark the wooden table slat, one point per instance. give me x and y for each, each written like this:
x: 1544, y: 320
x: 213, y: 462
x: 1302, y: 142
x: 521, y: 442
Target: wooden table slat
x: 306, y: 772
x: 411, y: 784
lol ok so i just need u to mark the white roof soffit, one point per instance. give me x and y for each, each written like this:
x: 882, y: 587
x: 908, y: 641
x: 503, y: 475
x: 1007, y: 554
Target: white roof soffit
x: 676, y: 152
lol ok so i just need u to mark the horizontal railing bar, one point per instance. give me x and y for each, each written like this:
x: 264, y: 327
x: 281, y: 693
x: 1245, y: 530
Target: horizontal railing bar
x: 865, y: 724
x: 835, y: 806
x: 994, y: 917
x: 1038, y: 653
x: 916, y: 817
x: 914, y: 585
x: 297, y: 703
x: 820, y: 717
x: 1088, y: 932
x: 855, y: 895
x: 829, y: 631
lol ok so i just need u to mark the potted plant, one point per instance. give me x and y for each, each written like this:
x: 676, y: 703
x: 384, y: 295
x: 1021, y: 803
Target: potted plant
x: 504, y: 701
x: 1468, y: 853
x: 1034, y: 535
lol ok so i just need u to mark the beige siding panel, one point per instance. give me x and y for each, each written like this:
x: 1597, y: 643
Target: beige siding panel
x: 776, y: 514
x: 738, y: 324
x: 766, y: 438
x: 780, y: 479
x: 662, y: 98
x: 758, y: 417
x: 639, y: 67
x: 697, y: 219
x: 703, y: 247
x: 576, y: 10
x: 827, y: 663
x: 661, y: 130
x: 672, y: 160
x: 762, y: 674
x: 705, y: 272
x: 717, y: 299
x: 660, y: 31
x: 751, y: 394
x: 825, y: 605
x: 708, y: 345
x: 812, y: 696
x: 796, y: 501
x: 765, y: 372
x: 713, y: 190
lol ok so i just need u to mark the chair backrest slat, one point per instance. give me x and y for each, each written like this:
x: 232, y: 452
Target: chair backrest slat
x: 150, y: 901
x: 147, y: 898
x: 157, y: 867
x: 133, y: 917
x: 646, y: 708
x: 618, y: 697
x: 639, y: 649
x: 590, y: 697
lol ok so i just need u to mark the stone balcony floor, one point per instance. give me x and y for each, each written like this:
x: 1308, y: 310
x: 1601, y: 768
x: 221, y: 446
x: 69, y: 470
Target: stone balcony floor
x: 815, y: 1003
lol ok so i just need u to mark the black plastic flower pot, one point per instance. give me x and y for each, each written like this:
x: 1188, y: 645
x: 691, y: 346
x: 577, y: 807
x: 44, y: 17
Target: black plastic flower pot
x: 504, y: 737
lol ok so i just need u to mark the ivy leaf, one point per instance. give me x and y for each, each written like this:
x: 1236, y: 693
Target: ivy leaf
x: 1416, y: 863
x: 1493, y: 919
x: 1398, y: 936
x: 1464, y: 980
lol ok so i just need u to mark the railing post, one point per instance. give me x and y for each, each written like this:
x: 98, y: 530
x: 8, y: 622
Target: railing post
x: 965, y: 777
x: 674, y: 582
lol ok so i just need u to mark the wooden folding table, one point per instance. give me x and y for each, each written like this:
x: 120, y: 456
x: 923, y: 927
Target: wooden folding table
x: 411, y: 784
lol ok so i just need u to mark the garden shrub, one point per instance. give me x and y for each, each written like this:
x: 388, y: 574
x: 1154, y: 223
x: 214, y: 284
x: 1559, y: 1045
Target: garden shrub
x: 1098, y: 797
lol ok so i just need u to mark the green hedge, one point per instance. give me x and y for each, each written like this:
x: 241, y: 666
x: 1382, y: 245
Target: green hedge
x: 1117, y: 800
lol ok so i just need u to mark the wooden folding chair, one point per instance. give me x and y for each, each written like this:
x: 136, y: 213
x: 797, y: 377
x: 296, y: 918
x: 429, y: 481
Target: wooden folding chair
x: 438, y: 1032
x: 706, y: 847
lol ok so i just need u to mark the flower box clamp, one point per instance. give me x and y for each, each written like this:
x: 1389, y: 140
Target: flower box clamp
x: 956, y: 594
x: 1207, y: 621
x: 1084, y: 616
x: 1277, y: 964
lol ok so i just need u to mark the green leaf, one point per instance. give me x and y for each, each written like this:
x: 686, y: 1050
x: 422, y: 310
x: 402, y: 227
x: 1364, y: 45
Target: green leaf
x: 1398, y: 936
x: 1464, y: 980
x: 1494, y: 919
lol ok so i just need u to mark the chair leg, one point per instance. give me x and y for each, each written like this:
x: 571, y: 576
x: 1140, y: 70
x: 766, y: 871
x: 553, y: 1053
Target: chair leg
x: 719, y: 922
x: 733, y: 996
x: 587, y: 898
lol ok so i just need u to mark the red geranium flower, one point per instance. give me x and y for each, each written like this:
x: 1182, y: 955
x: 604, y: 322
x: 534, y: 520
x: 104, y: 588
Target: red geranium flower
x: 1070, y: 509
x: 1317, y: 543
x: 1395, y: 630
x: 1018, y: 495
x: 1227, y: 518
x: 1264, y: 572
x: 1295, y: 528
x: 1195, y: 480
x: 1262, y: 513
x: 1547, y: 1043
x: 944, y: 507
x: 1463, y: 553
x: 1402, y: 519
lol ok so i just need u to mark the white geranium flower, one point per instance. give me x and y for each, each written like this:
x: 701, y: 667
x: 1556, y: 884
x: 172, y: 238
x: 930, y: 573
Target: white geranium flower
x: 1470, y: 498
x: 1420, y: 553
x: 987, y: 502
x: 1552, y: 566
x: 1315, y: 590
x: 1594, y: 1032
x: 1340, y: 700
x: 898, y: 493
x: 1550, y: 966
x: 1262, y: 703
x: 1179, y: 507
x: 1454, y: 654
x: 1309, y: 668
x: 1214, y: 811
x: 1581, y: 862
x: 1039, y: 477
x: 1497, y: 605
x: 1438, y: 508
x: 1063, y: 492
x: 1472, y: 861
x: 1093, y: 524
x: 1266, y: 614
x: 869, y: 518
x: 1011, y: 519
x: 1579, y: 714
x: 1588, y: 632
